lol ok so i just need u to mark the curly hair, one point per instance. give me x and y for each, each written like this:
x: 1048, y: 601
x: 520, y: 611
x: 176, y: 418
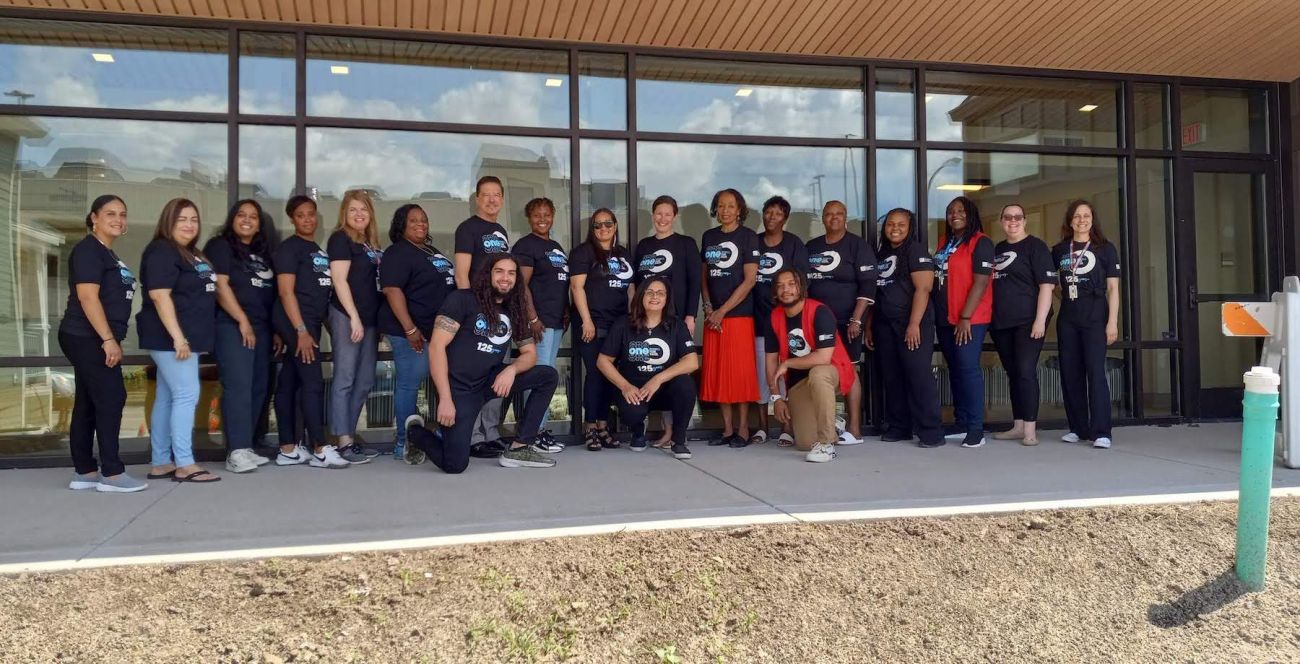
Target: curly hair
x: 512, y: 303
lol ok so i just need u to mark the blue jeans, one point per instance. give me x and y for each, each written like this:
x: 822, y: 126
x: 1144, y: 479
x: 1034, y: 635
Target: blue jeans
x: 412, y: 368
x: 964, y: 376
x: 354, y: 373
x: 171, y: 430
x: 245, y: 378
x: 547, y: 350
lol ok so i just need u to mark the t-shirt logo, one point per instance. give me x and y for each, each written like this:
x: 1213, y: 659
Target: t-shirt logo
x: 657, y: 262
x: 798, y: 344
x: 769, y: 263
x: 619, y: 268
x: 261, y: 272
x: 206, y: 274
x: 1084, y: 261
x: 494, y: 243
x: 1004, y: 260
x: 441, y: 264
x: 128, y: 279
x: 722, y: 255
x: 497, y: 335
x: 558, y: 260
x: 888, y: 266
x: 374, y: 254
x: 320, y: 263
x: 826, y: 261
x: 652, y: 352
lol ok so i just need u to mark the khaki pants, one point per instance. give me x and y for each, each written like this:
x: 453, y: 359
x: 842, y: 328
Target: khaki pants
x: 812, y: 407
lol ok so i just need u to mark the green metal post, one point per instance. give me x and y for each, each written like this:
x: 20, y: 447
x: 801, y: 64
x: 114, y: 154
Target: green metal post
x: 1258, y: 432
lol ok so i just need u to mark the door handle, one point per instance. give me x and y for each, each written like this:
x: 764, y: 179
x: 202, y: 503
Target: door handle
x: 1191, y: 297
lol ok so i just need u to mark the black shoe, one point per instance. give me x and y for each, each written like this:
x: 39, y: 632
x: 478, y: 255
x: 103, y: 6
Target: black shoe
x: 933, y: 443
x: 974, y: 439
x: 681, y: 451
x: 638, y: 443
x: 720, y: 440
x: 737, y: 442
x: 894, y: 437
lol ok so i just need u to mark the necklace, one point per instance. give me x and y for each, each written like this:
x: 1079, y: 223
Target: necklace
x: 428, y: 251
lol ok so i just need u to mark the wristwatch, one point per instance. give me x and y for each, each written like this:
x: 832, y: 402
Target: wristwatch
x: 775, y: 398
x: 300, y: 327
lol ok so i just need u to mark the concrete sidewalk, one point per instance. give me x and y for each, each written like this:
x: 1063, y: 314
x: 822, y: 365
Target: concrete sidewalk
x: 386, y: 500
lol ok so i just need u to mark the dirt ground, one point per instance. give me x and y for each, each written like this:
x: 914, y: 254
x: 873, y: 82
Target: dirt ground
x: 1149, y: 584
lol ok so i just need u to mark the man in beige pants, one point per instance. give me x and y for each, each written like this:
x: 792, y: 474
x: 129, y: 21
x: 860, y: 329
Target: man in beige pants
x: 808, y: 359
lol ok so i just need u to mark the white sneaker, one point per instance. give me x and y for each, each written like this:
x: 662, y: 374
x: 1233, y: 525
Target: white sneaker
x: 328, y: 458
x: 259, y: 459
x: 847, y: 438
x: 1070, y: 437
x: 242, y: 461
x: 840, y: 425
x: 1102, y: 443
x: 821, y: 453
x: 300, y: 455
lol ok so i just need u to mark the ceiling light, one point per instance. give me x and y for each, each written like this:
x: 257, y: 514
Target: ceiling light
x: 554, y: 82
x: 744, y: 92
x: 339, y: 69
x: 102, y: 57
x: 960, y: 187
x: 1088, y: 108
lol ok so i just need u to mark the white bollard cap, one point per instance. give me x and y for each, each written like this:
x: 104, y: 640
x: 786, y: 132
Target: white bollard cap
x: 1262, y: 380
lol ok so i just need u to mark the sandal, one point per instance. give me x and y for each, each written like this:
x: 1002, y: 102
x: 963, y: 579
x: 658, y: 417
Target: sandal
x: 786, y: 440
x: 606, y: 440
x: 663, y: 444
x: 591, y: 441
x: 193, y: 477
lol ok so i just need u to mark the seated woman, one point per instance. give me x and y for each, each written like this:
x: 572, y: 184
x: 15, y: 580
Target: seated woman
x: 650, y: 356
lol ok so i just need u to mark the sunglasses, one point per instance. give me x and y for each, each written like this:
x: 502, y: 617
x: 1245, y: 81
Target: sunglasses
x: 603, y: 224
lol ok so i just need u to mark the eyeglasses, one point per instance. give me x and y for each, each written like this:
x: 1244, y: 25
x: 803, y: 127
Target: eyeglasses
x: 602, y: 224
x: 656, y: 294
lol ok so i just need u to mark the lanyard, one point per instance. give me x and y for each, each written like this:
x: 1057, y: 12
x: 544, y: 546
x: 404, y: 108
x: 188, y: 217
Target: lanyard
x: 1073, y: 264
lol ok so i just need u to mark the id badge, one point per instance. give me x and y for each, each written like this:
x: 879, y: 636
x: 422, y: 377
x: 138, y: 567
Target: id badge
x: 1074, y: 291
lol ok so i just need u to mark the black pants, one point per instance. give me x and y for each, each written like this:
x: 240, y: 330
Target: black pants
x: 911, y: 394
x: 96, y: 408
x: 1083, y: 377
x: 1019, y: 354
x: 300, y: 388
x: 451, y: 452
x: 676, y: 395
x: 597, y: 393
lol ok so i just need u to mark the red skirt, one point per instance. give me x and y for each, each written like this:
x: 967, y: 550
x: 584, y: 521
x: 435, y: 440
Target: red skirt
x: 730, y: 374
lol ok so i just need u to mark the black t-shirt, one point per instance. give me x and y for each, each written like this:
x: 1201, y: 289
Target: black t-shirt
x: 677, y: 259
x: 790, y: 252
x: 312, y: 282
x: 823, y: 329
x: 93, y: 263
x: 894, y: 287
x: 252, y: 281
x: 640, y: 356
x: 550, y: 281
x: 840, y: 273
x: 363, y: 274
x: 1019, y: 269
x: 727, y: 254
x: 193, y: 287
x: 425, y: 277
x: 606, y: 285
x: 479, y: 345
x: 1088, y: 269
x: 981, y: 263
x: 480, y: 238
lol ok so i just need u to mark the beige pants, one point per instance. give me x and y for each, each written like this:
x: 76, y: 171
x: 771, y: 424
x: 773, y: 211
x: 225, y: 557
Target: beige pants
x: 812, y: 407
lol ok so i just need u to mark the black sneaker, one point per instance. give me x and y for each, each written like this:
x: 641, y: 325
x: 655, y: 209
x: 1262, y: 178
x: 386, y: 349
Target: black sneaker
x: 720, y: 440
x: 933, y: 443
x: 681, y: 451
x: 894, y: 437
x: 638, y: 444
x: 545, y: 444
x: 737, y: 442
x: 973, y: 439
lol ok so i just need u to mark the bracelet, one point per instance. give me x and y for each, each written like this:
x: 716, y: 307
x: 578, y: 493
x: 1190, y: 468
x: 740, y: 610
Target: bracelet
x: 300, y: 328
x: 532, y: 321
x: 854, y: 321
x: 964, y: 318
x: 412, y: 331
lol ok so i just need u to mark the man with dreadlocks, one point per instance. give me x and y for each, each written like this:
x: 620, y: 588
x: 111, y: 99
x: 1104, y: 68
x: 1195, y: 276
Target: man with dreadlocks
x: 476, y: 326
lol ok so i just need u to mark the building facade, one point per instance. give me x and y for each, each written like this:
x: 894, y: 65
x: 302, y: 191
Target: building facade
x: 1192, y: 177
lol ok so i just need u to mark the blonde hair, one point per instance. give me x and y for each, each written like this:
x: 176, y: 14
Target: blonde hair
x: 371, y: 234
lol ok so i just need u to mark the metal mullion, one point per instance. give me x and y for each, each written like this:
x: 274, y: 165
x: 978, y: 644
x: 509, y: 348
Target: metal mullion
x: 300, y: 112
x: 111, y: 113
x: 232, y: 122
x: 869, y: 102
x: 1054, y: 150
x: 922, y: 152
x: 1132, y: 244
x: 261, y: 119
x: 435, y: 127
x: 743, y: 139
x: 616, y: 134
x: 574, y: 390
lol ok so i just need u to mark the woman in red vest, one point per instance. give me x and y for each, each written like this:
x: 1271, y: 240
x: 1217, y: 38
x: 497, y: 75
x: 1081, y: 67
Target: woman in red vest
x: 963, y: 307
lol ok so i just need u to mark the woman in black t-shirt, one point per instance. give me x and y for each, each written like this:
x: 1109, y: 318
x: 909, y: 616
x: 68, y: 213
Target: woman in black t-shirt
x: 901, y: 326
x: 599, y: 285
x: 100, y: 290
x: 415, y: 278
x: 241, y: 257
x: 175, y: 325
x: 544, y: 271
x: 649, y: 357
x: 354, y: 255
x: 1023, y: 281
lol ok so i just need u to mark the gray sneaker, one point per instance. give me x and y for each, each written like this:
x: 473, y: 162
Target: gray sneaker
x: 524, y: 457
x: 367, y: 452
x: 120, y: 483
x: 355, y: 454
x: 84, y: 482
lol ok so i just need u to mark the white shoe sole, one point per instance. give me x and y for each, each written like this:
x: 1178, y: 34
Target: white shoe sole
x: 971, y: 447
x: 108, y: 488
x: 328, y: 465
x: 1097, y: 445
x: 282, y: 460
x: 83, y: 485
x: 262, y: 461
x: 848, y: 442
x: 819, y: 459
x: 683, y: 457
x: 239, y: 469
x: 516, y: 463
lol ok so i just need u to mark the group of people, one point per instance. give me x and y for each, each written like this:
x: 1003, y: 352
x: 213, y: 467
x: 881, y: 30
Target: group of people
x: 784, y: 324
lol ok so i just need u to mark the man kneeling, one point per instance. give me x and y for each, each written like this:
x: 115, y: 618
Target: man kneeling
x: 476, y: 326
x: 811, y: 361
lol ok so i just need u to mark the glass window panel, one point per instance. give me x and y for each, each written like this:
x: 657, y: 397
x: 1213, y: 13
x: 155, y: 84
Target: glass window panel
x: 807, y: 177
x: 1229, y: 213
x: 1224, y: 119
x: 431, y: 82
x: 602, y: 91
x: 50, y: 171
x: 895, y: 182
x: 989, y: 108
x: 266, y: 170
x: 1153, y: 201
x: 1159, y: 383
x: 97, y: 65
x: 604, y: 185
x: 438, y: 172
x: 716, y: 97
x: 266, y: 73
x: 895, y: 104
x: 1150, y: 110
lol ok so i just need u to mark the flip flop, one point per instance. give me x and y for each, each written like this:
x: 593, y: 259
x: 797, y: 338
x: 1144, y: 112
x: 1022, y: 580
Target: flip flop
x: 196, y: 474
x: 162, y: 476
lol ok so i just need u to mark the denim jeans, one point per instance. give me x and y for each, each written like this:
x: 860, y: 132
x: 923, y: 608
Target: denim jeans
x: 245, y: 379
x: 171, y: 425
x: 547, y: 350
x: 354, y: 373
x: 412, y: 368
x: 964, y: 376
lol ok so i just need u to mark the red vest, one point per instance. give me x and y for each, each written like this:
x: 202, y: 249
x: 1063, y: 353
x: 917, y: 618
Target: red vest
x: 839, y: 356
x: 961, y: 276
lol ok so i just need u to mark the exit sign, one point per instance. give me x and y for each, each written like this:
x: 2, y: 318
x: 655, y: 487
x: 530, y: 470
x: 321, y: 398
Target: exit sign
x: 1193, y: 134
